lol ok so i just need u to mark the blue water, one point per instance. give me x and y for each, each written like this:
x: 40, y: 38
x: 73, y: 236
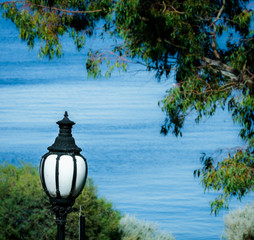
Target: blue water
x: 118, y: 123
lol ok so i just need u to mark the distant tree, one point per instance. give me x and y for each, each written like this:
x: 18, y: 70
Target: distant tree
x: 25, y: 210
x: 206, y: 46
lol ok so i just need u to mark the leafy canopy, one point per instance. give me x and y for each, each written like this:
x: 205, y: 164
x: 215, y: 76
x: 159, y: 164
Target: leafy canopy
x: 25, y: 210
x: 206, y: 46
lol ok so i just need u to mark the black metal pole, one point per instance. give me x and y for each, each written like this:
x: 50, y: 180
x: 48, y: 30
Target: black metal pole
x: 61, y: 215
x: 82, y: 222
x: 60, y: 231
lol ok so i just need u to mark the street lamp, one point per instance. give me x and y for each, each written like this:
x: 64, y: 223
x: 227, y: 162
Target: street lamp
x: 63, y: 172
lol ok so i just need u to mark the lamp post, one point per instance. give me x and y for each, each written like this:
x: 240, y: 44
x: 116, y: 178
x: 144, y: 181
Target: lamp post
x: 63, y: 172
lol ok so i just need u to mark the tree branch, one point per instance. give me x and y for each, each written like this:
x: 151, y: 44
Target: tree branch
x: 213, y: 30
x: 224, y: 69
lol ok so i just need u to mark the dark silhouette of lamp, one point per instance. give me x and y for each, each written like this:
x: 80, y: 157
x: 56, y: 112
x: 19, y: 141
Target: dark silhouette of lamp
x: 63, y: 172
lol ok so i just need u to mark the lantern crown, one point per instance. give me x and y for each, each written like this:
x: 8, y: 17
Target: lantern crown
x: 65, y: 121
x: 64, y: 142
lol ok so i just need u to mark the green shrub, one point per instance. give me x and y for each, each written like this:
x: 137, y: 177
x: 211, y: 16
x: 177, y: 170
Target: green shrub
x: 25, y: 210
x: 239, y: 224
x: 102, y: 220
x: 133, y: 229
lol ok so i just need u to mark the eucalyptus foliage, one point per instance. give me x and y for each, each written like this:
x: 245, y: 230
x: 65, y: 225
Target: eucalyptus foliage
x: 206, y: 46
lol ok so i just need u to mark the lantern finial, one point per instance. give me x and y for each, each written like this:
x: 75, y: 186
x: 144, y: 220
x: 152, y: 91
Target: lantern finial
x: 65, y: 142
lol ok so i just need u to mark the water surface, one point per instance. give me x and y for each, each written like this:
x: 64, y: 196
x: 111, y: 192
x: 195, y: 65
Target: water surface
x: 118, y: 127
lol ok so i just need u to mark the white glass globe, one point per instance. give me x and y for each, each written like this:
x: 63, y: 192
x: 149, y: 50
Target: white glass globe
x: 63, y: 176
